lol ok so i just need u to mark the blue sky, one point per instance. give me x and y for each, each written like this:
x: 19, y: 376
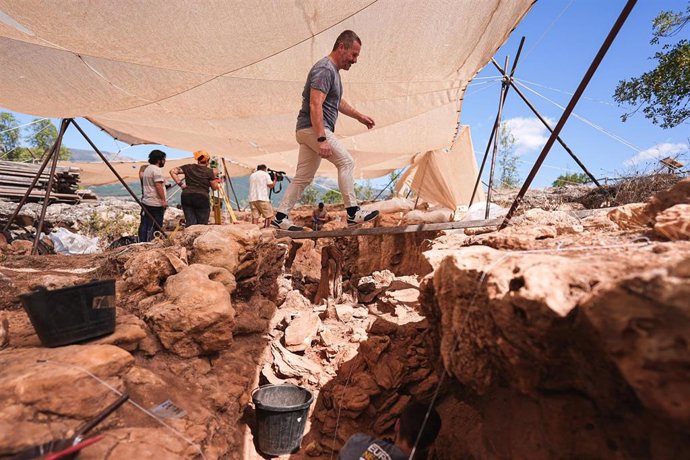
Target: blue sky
x: 562, y: 38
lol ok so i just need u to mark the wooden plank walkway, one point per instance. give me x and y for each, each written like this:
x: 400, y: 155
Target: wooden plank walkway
x: 417, y: 228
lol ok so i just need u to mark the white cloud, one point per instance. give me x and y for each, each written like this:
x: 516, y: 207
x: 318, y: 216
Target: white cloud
x: 529, y: 133
x: 654, y: 152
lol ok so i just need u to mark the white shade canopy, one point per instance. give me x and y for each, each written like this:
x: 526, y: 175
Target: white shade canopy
x: 227, y: 76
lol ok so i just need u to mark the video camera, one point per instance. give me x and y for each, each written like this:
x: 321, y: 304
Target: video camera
x: 276, y: 176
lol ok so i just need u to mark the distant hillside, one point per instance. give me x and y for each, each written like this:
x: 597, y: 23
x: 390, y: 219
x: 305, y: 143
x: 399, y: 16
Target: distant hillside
x: 240, y: 184
x: 90, y: 156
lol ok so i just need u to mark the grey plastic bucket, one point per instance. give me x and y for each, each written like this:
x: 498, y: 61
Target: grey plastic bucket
x: 281, y: 415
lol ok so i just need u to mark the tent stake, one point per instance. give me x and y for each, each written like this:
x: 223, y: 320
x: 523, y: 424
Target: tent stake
x: 571, y: 105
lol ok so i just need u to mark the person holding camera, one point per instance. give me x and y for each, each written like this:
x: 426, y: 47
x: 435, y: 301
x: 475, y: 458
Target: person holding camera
x: 259, y: 184
x: 321, y: 102
x: 197, y: 180
x: 153, y: 197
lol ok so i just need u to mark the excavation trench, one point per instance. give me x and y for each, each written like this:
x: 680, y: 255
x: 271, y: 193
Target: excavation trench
x: 533, y: 351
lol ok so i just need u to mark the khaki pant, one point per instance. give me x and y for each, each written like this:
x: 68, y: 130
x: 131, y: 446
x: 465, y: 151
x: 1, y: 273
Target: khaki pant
x: 308, y: 163
x: 261, y: 209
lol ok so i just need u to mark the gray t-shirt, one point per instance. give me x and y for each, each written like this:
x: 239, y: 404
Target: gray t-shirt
x: 324, y: 77
x: 364, y: 447
x: 152, y: 174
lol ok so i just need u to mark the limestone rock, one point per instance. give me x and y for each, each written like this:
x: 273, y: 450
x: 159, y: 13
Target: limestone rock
x: 253, y: 316
x: 644, y: 326
x: 677, y: 194
x: 196, y: 321
x: 129, y: 332
x: 301, y: 331
x: 516, y: 237
x: 53, y: 380
x: 148, y: 270
x: 289, y: 364
x: 344, y: 312
x: 630, y: 216
x: 307, y: 260
x: 140, y: 443
x: 21, y: 246
x: 674, y: 222
x: 563, y: 222
x: 52, y: 282
x: 221, y: 245
x: 294, y: 300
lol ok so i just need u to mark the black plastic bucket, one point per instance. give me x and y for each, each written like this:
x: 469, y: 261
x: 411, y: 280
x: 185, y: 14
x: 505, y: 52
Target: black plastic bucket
x: 281, y: 414
x: 73, y: 314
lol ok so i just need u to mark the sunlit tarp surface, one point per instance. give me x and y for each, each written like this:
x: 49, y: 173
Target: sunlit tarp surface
x: 227, y: 76
x: 443, y: 177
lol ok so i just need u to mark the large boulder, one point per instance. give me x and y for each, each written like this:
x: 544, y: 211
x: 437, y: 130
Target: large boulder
x: 40, y: 387
x: 195, y: 316
x: 220, y: 245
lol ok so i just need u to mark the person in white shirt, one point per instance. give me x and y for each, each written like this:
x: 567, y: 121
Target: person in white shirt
x: 259, y: 184
x: 154, y: 197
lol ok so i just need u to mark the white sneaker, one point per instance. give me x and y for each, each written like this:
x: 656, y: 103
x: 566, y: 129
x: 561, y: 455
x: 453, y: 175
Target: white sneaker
x: 361, y: 216
x: 285, y: 224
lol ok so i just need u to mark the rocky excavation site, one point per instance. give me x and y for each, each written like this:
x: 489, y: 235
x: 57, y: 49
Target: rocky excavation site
x: 559, y: 337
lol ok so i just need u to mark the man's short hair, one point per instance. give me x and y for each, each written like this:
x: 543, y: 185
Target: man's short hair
x: 155, y: 156
x: 411, y: 421
x: 320, y: 205
x: 347, y: 38
x: 261, y: 168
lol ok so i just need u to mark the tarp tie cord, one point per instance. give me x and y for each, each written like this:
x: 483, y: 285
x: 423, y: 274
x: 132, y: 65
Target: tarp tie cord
x: 584, y: 120
x: 563, y: 91
x: 548, y: 28
x: 119, y: 393
x: 637, y: 242
x: 21, y: 126
x: 36, y: 134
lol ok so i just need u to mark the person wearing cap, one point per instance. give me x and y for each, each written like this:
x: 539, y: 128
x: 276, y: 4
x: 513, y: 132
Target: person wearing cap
x: 153, y: 197
x: 198, y: 178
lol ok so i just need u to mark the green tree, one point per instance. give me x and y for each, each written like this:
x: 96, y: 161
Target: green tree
x: 309, y: 196
x: 9, y: 139
x: 332, y: 197
x: 570, y: 179
x: 365, y: 191
x: 663, y: 93
x: 41, y: 136
x: 507, y: 158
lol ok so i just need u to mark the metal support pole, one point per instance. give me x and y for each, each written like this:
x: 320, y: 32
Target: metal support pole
x: 546, y: 125
x: 55, y: 153
x: 122, y: 181
x: 227, y: 175
x: 571, y: 105
x: 495, y: 128
x: 497, y: 135
x: 389, y: 184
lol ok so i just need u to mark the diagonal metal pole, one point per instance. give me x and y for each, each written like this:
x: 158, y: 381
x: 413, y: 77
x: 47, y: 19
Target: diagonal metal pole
x: 497, y: 135
x: 25, y: 198
x: 122, y: 181
x: 55, y: 153
x: 495, y: 127
x: 227, y: 175
x: 570, y: 107
x: 546, y: 124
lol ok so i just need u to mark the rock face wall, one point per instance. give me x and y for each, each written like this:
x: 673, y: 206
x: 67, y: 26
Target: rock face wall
x: 191, y: 319
x: 559, y: 353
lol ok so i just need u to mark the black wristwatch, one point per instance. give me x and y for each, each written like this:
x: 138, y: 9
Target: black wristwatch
x: 321, y: 139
